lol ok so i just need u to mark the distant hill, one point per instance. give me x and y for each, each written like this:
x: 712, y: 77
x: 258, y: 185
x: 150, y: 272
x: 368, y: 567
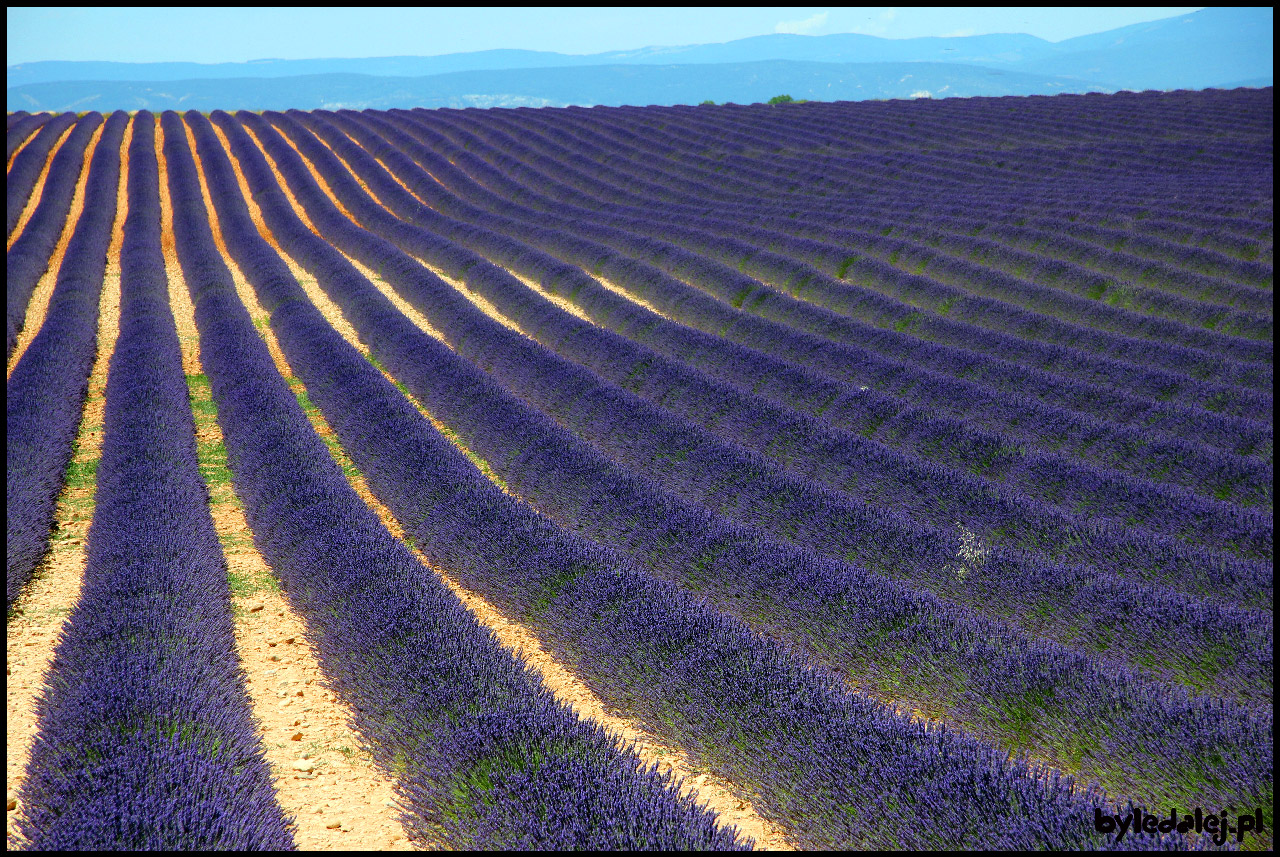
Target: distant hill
x: 551, y: 87
x: 1212, y: 47
x: 837, y: 48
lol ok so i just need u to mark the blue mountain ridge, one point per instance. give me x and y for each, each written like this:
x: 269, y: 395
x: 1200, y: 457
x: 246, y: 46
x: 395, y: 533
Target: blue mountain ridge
x: 1212, y: 47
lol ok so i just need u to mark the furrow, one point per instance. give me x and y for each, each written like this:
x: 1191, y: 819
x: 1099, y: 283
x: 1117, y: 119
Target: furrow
x: 708, y: 789
x: 345, y: 802
x: 34, y: 199
x: 39, y: 613
x: 39, y: 304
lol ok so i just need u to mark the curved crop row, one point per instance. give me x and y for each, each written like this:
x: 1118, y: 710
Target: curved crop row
x: 964, y: 405
x: 1071, y: 488
x: 838, y: 613
x: 483, y: 755
x: 823, y: 172
x: 45, y: 395
x: 31, y: 255
x: 714, y: 315
x: 892, y: 175
x: 669, y: 657
x: 690, y: 462
x: 146, y: 740
x: 20, y: 126
x: 21, y: 179
x: 1110, y: 332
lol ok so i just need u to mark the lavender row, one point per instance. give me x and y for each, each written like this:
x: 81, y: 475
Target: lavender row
x: 1208, y: 349
x: 944, y: 366
x: 873, y: 175
x: 689, y: 462
x: 45, y: 394
x: 611, y: 126
x: 791, y: 735
x: 1036, y: 161
x: 1134, y: 502
x: 691, y: 128
x: 146, y: 739
x: 1232, y: 239
x: 1164, y: 262
x: 1064, y: 262
x: 858, y: 267
x: 1031, y: 121
x: 20, y: 126
x: 821, y: 165
x: 1125, y: 117
x: 506, y: 117
x: 862, y: 625
x: 29, y: 257
x: 1077, y: 273
x: 1021, y: 207
x: 868, y: 471
x: 1136, y: 451
x: 980, y: 311
x: 483, y: 755
x: 1051, y: 360
x: 21, y: 179
x: 1245, y: 247
x: 1080, y: 271
x: 734, y: 287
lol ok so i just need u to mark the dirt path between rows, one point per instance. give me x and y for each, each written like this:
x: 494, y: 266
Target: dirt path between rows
x: 54, y: 590
x: 323, y: 776
x: 38, y: 307
x: 37, y: 191
x: 705, y: 787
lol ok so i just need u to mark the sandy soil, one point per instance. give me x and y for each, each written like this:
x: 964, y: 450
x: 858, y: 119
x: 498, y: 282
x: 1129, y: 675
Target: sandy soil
x: 331, y: 311
x: 39, y: 306
x: 555, y: 675
x: 324, y: 777
x: 34, y: 200
x: 704, y: 787
x: 21, y: 146
x: 36, y: 627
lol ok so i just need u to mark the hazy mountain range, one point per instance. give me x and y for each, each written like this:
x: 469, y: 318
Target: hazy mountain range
x: 1212, y: 47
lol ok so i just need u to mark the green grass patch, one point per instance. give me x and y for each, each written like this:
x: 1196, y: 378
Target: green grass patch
x: 552, y: 588
x: 82, y: 474
x: 845, y: 264
x: 1021, y: 714
x: 908, y: 322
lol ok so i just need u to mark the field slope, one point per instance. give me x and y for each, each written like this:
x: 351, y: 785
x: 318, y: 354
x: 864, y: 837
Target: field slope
x: 888, y: 465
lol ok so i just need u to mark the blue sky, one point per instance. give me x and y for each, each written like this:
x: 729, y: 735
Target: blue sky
x: 218, y: 34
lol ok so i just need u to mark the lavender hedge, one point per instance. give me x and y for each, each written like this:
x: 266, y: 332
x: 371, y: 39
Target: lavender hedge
x: 31, y: 254
x: 21, y: 179
x: 45, y: 393
x: 739, y: 702
x: 482, y: 754
x: 837, y: 613
x: 146, y: 740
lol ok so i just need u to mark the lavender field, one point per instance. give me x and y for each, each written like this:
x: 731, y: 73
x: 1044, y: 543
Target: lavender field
x: 904, y: 466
